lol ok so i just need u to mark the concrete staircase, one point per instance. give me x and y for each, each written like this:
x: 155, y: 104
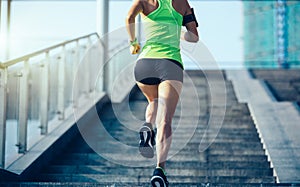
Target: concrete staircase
x: 284, y: 83
x: 232, y: 155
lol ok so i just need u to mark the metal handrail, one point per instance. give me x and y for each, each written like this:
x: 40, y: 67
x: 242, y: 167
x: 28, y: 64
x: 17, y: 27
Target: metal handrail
x: 26, y: 57
x: 23, y: 95
x: 69, y: 59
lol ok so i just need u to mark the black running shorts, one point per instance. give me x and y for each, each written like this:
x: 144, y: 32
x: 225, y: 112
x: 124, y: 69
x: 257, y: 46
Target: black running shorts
x: 152, y: 71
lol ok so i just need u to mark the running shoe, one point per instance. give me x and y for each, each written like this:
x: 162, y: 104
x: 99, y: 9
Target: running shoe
x: 147, y: 139
x: 159, y: 178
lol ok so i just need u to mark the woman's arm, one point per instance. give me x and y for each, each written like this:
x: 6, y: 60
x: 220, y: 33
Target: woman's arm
x: 135, y: 9
x: 192, y: 34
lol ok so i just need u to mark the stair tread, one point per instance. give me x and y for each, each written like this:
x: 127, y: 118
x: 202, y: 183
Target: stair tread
x: 101, y: 184
x: 172, y: 170
x: 145, y: 179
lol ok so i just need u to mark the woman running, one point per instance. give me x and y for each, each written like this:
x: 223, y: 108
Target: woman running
x: 159, y: 70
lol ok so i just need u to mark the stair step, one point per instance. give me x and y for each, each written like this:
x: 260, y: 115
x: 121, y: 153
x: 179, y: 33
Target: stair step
x: 94, y: 159
x: 238, y: 131
x: 235, y: 131
x: 239, y: 164
x: 128, y: 171
x: 229, y: 145
x: 188, y: 150
x: 178, y: 156
x: 171, y: 166
x: 145, y: 179
x: 178, y: 139
x: 246, y: 158
x: 194, y: 147
x: 171, y: 172
x: 178, y: 164
x: 99, y: 160
x: 226, y: 151
x: 237, y: 145
x: 102, y: 184
x: 236, y: 152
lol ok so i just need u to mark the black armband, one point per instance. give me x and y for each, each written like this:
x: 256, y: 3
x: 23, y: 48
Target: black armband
x: 189, y: 18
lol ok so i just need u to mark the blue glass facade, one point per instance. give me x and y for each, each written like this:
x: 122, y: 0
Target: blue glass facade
x: 270, y: 33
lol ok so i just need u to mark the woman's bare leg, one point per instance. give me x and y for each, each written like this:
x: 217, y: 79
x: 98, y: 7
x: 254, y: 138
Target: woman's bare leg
x: 168, y: 92
x: 151, y: 93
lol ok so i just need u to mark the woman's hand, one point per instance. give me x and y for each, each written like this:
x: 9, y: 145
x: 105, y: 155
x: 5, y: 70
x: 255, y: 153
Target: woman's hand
x: 135, y: 49
x: 189, y: 36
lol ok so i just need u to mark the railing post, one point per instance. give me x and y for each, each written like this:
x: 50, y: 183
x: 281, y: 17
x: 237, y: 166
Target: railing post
x: 76, y: 63
x: 90, y: 67
x: 3, y: 101
x: 23, y: 109
x: 61, y: 85
x: 44, y: 95
x: 102, y: 29
x: 105, y: 64
x: 100, y: 61
x: 86, y: 74
x: 8, y: 28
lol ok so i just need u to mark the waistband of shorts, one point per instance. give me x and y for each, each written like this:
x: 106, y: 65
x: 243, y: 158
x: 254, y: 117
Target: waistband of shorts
x: 171, y: 60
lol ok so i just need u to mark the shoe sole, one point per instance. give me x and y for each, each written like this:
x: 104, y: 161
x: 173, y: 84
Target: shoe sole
x: 145, y: 147
x: 157, y: 181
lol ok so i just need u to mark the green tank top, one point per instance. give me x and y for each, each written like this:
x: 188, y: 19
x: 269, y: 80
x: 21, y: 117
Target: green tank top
x: 162, y: 29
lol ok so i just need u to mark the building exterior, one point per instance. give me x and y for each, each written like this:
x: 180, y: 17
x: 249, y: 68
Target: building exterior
x: 293, y: 22
x: 271, y: 33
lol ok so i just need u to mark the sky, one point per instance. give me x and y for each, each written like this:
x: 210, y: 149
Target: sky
x: 37, y: 25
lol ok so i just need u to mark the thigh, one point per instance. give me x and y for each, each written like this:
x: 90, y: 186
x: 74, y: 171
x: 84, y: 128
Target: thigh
x: 169, y: 92
x: 150, y: 91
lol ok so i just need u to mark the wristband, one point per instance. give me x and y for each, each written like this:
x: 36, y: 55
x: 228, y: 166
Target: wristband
x: 134, y: 42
